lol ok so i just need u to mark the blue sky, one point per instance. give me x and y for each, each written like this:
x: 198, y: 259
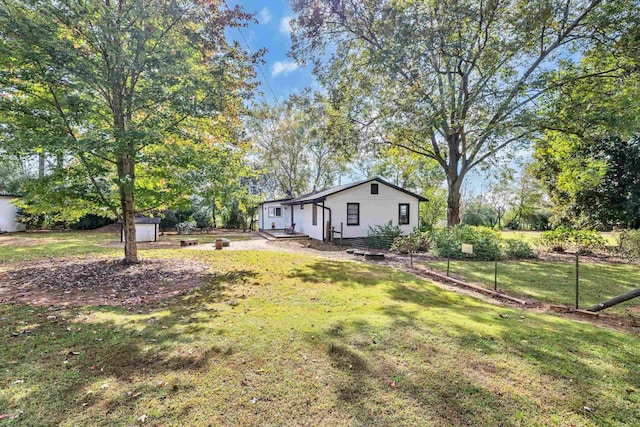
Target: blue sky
x: 273, y: 33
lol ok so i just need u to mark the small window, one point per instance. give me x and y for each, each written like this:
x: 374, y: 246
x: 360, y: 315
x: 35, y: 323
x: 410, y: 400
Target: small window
x: 403, y: 213
x: 275, y: 212
x: 353, y: 213
x: 374, y: 188
x: 314, y: 214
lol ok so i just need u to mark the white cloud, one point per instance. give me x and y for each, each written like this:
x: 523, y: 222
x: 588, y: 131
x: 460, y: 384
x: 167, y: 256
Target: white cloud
x: 283, y: 67
x: 285, y: 25
x: 264, y: 16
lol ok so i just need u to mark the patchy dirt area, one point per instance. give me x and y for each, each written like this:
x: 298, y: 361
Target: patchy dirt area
x: 98, y: 281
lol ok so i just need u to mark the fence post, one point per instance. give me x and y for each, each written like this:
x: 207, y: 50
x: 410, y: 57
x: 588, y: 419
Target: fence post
x: 333, y: 233
x: 448, y: 252
x: 495, y: 276
x: 577, y: 278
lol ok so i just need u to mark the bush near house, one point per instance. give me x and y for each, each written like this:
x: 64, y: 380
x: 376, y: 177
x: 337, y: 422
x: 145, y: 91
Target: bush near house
x: 486, y: 242
x: 416, y: 242
x: 383, y: 236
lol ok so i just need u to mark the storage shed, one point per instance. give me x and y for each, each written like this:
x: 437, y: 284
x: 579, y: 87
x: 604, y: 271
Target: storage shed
x: 147, y: 229
x: 9, y: 214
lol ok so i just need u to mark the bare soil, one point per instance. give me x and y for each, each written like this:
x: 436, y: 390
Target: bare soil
x: 98, y: 281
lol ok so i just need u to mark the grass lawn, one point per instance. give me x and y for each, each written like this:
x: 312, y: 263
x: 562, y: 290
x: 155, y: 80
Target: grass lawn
x: 554, y: 281
x: 28, y: 246
x: 289, y: 339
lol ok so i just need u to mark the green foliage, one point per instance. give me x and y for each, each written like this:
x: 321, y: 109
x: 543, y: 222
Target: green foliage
x: 450, y: 80
x: 485, y: 241
x: 629, y: 244
x: 418, y: 241
x: 118, y: 90
x: 480, y: 215
x: 518, y: 249
x: 383, y: 236
x: 91, y: 222
x: 434, y: 210
x: 587, y: 156
x: 562, y: 239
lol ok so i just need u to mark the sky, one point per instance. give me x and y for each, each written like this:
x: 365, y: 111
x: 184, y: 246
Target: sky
x: 272, y: 32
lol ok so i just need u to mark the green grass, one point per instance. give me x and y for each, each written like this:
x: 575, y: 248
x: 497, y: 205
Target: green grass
x: 31, y: 246
x: 554, y: 281
x: 289, y: 339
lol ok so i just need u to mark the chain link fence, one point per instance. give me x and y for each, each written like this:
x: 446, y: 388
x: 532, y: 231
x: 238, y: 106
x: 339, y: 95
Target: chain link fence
x: 509, y: 267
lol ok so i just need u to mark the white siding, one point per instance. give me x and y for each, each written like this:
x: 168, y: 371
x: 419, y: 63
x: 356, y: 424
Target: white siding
x: 266, y: 223
x: 375, y: 209
x: 303, y: 217
x: 8, y: 215
x: 144, y: 233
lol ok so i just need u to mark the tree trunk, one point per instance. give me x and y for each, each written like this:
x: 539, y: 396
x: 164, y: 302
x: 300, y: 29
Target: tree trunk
x: 213, y: 214
x: 126, y: 175
x: 453, y: 200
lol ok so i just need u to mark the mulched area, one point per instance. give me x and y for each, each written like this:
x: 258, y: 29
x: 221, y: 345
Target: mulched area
x: 98, y: 281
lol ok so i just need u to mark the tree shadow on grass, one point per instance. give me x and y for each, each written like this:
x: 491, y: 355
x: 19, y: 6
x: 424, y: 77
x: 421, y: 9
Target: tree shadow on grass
x: 571, y: 357
x: 65, y: 354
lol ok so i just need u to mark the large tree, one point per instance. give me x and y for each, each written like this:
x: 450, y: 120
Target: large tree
x: 448, y: 79
x: 105, y: 83
x: 587, y: 155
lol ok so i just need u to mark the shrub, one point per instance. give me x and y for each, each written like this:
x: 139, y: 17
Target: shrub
x: 186, y: 227
x: 629, y: 244
x: 485, y: 241
x: 417, y: 241
x: 91, y: 222
x: 514, y: 248
x: 383, y: 236
x: 561, y: 239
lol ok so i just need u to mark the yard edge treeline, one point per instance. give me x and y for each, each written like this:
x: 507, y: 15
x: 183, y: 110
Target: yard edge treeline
x: 455, y: 81
x: 109, y: 87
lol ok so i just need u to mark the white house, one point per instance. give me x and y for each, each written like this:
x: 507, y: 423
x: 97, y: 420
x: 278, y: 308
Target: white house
x: 9, y: 214
x: 355, y: 207
x: 147, y: 229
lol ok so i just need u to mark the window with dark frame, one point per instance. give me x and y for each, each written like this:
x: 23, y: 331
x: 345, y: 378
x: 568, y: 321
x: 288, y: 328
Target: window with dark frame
x: 353, y: 213
x: 275, y: 212
x: 314, y: 214
x: 403, y: 213
x: 374, y: 188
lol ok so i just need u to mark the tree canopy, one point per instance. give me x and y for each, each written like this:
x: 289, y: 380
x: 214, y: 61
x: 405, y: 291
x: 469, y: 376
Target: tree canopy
x: 453, y: 81
x: 110, y: 85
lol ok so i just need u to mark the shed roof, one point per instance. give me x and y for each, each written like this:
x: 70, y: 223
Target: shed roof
x: 320, y: 196
x: 13, y: 196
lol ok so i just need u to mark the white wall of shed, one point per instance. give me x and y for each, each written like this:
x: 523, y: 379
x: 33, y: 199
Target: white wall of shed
x: 144, y: 233
x: 9, y: 215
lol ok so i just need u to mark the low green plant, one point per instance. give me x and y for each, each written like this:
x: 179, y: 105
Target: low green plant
x: 518, y: 249
x: 416, y: 242
x: 629, y: 244
x: 485, y: 242
x: 583, y: 241
x: 383, y: 236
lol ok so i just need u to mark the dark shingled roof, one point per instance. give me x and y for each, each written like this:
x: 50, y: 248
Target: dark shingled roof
x: 322, y: 195
x: 9, y: 195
